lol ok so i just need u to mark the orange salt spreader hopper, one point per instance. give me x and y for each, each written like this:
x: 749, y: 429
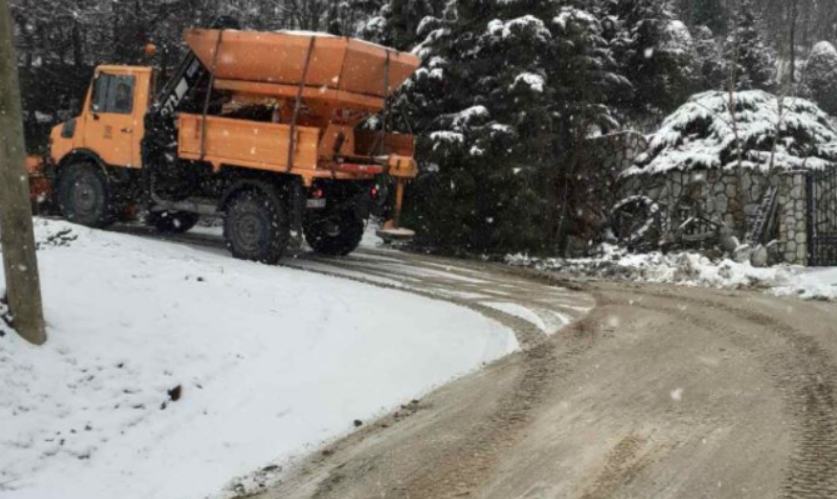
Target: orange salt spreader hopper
x: 321, y: 81
x: 342, y: 71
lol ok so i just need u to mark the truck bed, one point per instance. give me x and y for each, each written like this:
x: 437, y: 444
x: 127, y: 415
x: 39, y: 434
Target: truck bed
x: 252, y: 144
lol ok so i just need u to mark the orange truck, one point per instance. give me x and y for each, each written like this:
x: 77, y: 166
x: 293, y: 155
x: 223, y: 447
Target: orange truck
x: 262, y: 128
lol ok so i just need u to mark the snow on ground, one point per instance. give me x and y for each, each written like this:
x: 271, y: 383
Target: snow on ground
x: 171, y: 370
x: 370, y: 236
x: 692, y: 269
x: 811, y: 284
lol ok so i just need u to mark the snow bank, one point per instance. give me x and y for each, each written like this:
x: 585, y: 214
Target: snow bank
x: 690, y: 269
x: 170, y: 370
x: 811, y: 284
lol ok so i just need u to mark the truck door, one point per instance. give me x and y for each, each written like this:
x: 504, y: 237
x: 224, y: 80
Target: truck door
x: 110, y: 121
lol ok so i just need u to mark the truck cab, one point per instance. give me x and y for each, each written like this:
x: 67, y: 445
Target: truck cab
x: 111, y: 124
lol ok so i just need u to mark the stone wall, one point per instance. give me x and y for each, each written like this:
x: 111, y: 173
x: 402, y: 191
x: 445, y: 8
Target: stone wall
x: 792, y: 213
x: 617, y: 151
x: 734, y: 198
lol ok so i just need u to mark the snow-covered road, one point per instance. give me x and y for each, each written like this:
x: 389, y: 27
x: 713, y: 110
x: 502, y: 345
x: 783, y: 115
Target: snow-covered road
x: 172, y: 369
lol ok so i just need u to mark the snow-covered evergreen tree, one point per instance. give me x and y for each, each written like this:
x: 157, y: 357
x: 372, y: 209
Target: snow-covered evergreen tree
x: 709, y: 13
x: 752, y: 62
x: 820, y: 77
x: 711, y: 70
x: 655, y: 52
x: 507, y: 92
x: 398, y: 22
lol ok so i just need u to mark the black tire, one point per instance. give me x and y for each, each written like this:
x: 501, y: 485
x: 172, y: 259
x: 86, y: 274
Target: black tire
x: 84, y: 196
x: 172, y: 222
x: 335, y: 234
x: 256, y: 227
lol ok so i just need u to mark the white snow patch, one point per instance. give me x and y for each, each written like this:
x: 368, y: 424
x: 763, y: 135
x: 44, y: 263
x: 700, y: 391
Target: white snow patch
x: 677, y: 394
x: 270, y: 363
x: 823, y: 49
x: 464, y: 118
x: 43, y: 117
x: 370, y: 236
x: 527, y: 24
x: 446, y: 137
x: 690, y: 269
x: 811, y: 284
x: 535, y: 82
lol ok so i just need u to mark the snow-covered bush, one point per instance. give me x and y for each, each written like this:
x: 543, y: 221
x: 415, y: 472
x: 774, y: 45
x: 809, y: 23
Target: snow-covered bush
x: 760, y: 129
x: 821, y: 76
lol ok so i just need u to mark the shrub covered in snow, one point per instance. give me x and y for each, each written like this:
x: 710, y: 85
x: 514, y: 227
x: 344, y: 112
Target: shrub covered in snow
x: 821, y: 76
x: 760, y: 129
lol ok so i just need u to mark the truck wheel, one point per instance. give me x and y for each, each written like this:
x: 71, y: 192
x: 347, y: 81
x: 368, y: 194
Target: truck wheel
x: 256, y: 227
x: 172, y: 222
x: 84, y: 196
x: 337, y: 234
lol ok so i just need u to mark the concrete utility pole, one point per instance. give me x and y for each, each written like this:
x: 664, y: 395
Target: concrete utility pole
x: 23, y: 286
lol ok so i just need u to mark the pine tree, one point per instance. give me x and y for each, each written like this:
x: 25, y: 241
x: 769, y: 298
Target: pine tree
x: 655, y: 52
x: 709, y: 13
x: 711, y: 68
x: 751, y: 61
x: 507, y: 93
x: 398, y: 22
x: 820, y: 76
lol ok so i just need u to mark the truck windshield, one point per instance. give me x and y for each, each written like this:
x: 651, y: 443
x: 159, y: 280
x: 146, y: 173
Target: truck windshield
x: 113, y: 94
